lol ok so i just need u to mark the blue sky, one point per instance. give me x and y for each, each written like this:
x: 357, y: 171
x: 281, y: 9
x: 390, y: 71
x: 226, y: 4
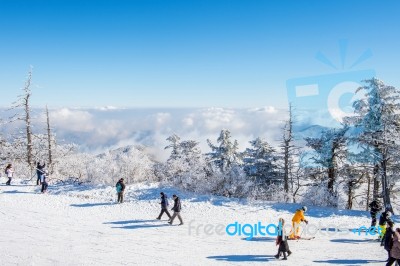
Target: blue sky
x: 199, y: 53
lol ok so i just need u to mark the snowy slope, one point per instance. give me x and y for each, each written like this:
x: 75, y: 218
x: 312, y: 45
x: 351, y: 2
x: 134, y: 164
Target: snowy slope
x: 83, y: 226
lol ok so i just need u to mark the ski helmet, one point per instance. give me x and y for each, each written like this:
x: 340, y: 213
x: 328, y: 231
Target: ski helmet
x: 304, y: 208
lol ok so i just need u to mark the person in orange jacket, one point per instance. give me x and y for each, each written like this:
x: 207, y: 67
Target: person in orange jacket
x: 298, y: 217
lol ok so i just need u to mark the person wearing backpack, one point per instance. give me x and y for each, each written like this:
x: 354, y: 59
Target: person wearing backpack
x: 164, y: 206
x: 9, y: 173
x: 39, y: 172
x: 375, y: 208
x: 120, y: 186
x: 177, y: 210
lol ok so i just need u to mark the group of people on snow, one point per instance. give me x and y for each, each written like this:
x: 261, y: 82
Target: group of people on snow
x: 40, y: 172
x: 120, y: 187
x: 388, y: 236
x: 282, y: 238
x: 176, y: 208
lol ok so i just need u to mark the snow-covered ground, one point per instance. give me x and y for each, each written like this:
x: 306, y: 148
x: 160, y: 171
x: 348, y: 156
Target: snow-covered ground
x: 81, y: 225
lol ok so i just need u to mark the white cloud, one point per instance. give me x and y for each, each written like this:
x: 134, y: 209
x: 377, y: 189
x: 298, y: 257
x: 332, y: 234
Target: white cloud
x: 97, y: 130
x: 72, y: 120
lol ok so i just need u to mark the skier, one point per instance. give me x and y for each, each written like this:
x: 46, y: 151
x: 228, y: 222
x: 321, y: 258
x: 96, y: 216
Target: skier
x: 387, y: 241
x: 281, y: 240
x: 298, y: 217
x: 39, y: 172
x: 395, y: 250
x: 43, y: 181
x: 120, y: 190
x: 177, y: 210
x: 164, y: 206
x: 383, y: 219
x: 375, y: 208
x: 9, y: 173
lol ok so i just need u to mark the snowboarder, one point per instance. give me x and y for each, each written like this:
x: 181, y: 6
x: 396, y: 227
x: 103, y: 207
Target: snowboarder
x: 164, y: 206
x: 43, y: 181
x: 375, y: 208
x: 9, y: 173
x: 281, y: 240
x: 383, y: 219
x: 387, y: 240
x: 177, y: 210
x: 120, y: 186
x: 298, y: 217
x: 39, y: 172
x: 395, y: 250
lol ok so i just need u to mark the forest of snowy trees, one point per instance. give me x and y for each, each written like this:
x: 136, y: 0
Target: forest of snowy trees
x: 348, y: 167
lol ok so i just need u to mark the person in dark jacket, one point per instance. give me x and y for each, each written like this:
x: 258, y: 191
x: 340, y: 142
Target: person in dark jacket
x: 39, y: 172
x: 388, y: 238
x: 281, y: 240
x: 177, y: 210
x: 383, y: 219
x: 164, y: 206
x: 120, y: 186
x: 375, y: 208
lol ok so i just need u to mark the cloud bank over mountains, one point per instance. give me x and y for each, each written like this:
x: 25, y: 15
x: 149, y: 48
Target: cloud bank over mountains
x: 98, y: 129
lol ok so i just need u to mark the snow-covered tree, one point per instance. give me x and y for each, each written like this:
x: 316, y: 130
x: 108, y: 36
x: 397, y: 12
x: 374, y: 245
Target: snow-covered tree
x: 24, y: 103
x: 226, y: 154
x: 330, y: 151
x: 377, y: 118
x: 261, y: 163
x: 186, y: 165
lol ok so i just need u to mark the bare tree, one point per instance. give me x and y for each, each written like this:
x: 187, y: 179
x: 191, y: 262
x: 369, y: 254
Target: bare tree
x: 49, y: 141
x: 23, y: 101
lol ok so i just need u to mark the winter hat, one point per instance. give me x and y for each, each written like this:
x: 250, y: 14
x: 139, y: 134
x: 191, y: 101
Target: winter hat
x: 174, y: 196
x: 304, y: 208
x: 121, y: 179
x: 162, y: 193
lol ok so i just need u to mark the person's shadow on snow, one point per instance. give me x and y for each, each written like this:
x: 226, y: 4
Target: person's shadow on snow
x: 261, y: 239
x: 243, y: 258
x: 348, y: 262
x: 136, y: 224
x: 85, y: 205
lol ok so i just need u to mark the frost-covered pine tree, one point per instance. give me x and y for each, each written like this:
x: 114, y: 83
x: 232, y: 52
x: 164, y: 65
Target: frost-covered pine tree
x: 330, y: 150
x: 261, y: 162
x: 377, y: 118
x: 226, y: 154
x: 227, y: 176
x: 186, y: 165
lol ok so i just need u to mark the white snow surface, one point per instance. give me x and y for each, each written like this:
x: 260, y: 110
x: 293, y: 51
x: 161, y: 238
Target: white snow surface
x: 82, y: 225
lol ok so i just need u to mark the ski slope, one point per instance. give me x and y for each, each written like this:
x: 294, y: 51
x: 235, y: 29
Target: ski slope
x: 82, y: 225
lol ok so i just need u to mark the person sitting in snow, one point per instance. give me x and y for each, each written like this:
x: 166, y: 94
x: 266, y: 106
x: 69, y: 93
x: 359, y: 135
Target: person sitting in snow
x: 383, y: 219
x: 281, y: 240
x: 164, y: 206
x: 298, y: 217
x: 120, y: 186
x: 375, y: 208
